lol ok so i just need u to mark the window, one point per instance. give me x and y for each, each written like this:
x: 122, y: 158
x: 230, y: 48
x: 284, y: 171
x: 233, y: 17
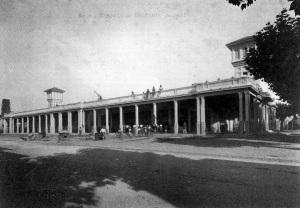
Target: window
x: 237, y: 54
x: 245, y: 50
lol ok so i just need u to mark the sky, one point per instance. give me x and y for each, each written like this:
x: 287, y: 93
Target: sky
x: 118, y: 46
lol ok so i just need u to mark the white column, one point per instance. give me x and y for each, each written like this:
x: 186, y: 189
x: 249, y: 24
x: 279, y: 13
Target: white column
x: 247, y: 112
x: 198, y: 116
x: 155, y: 113
x: 22, y: 127
x: 95, y: 120
x: 83, y: 122
x: 52, y: 124
x: 106, y: 120
x: 33, y: 124
x: 46, y: 124
x: 202, y: 115
x: 241, y: 116
x: 136, y: 119
x: 13, y: 125
x: 80, y: 121
x: 27, y: 124
x: 40, y: 122
x: 175, y: 117
x: 255, y: 114
x: 60, y: 126
x: 70, y: 122
x: 17, y: 127
x: 121, y: 118
x: 267, y: 118
x: 260, y: 117
x: 5, y: 125
x: 10, y: 125
x: 263, y: 112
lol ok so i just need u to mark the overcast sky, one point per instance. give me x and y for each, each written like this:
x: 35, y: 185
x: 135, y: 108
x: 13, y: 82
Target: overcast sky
x: 118, y: 46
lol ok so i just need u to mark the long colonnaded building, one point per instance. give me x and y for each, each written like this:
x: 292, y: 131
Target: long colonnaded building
x: 236, y: 105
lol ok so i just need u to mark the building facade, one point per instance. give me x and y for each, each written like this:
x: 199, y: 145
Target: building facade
x: 239, y: 49
x: 234, y: 105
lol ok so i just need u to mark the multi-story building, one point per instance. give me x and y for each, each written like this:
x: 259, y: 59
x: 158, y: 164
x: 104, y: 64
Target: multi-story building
x: 235, y: 105
x: 239, y: 49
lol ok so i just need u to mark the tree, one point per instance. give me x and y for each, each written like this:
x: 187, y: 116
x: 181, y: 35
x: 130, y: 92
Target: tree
x: 276, y: 57
x: 295, y: 4
x: 283, y: 110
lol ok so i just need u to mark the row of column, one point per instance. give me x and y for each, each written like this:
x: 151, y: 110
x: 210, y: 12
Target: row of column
x: 12, y: 125
x: 81, y: 119
x: 244, y: 113
x: 201, y: 125
x: 244, y: 117
x: 81, y: 123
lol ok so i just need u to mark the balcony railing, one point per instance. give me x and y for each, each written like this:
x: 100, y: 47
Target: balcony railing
x: 197, y: 88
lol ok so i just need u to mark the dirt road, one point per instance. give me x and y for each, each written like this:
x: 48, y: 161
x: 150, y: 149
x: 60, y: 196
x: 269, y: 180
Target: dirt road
x: 149, y: 173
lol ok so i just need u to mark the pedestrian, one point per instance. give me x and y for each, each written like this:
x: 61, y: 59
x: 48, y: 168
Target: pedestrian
x: 103, y: 133
x: 80, y: 130
x: 184, y: 130
x: 147, y: 93
x: 160, y: 88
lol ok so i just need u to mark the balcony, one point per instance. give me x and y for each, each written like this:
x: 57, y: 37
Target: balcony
x: 197, y: 88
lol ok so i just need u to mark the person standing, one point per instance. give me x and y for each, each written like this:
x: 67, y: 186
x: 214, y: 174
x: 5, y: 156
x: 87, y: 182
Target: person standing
x: 160, y: 88
x: 80, y: 130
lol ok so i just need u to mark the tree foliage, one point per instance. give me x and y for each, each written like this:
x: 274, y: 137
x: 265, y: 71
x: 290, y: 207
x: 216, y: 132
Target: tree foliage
x: 295, y: 4
x: 283, y: 110
x: 241, y: 3
x: 276, y: 58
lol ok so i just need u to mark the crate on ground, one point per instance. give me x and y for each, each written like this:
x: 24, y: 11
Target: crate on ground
x: 63, y: 135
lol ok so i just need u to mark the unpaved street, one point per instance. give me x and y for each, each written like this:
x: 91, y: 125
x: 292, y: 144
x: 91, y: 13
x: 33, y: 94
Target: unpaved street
x: 141, y: 172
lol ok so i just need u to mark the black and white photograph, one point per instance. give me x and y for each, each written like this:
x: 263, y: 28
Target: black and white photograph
x: 150, y: 103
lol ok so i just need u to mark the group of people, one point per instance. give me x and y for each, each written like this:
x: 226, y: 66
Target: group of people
x: 150, y: 94
x: 144, y: 130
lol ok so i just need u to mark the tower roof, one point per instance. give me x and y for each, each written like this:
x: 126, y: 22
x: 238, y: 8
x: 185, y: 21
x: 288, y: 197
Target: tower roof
x: 54, y: 89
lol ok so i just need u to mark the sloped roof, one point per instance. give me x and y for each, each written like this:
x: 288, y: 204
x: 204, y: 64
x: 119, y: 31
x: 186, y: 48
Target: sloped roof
x: 54, y: 89
x: 239, y: 41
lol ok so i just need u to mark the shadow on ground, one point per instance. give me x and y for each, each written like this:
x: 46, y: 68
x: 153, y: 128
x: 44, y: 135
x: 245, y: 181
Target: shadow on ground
x: 232, y: 141
x: 55, y: 181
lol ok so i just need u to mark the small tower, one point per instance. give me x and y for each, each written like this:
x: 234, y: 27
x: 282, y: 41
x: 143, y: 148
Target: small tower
x: 238, y: 49
x: 54, y: 96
